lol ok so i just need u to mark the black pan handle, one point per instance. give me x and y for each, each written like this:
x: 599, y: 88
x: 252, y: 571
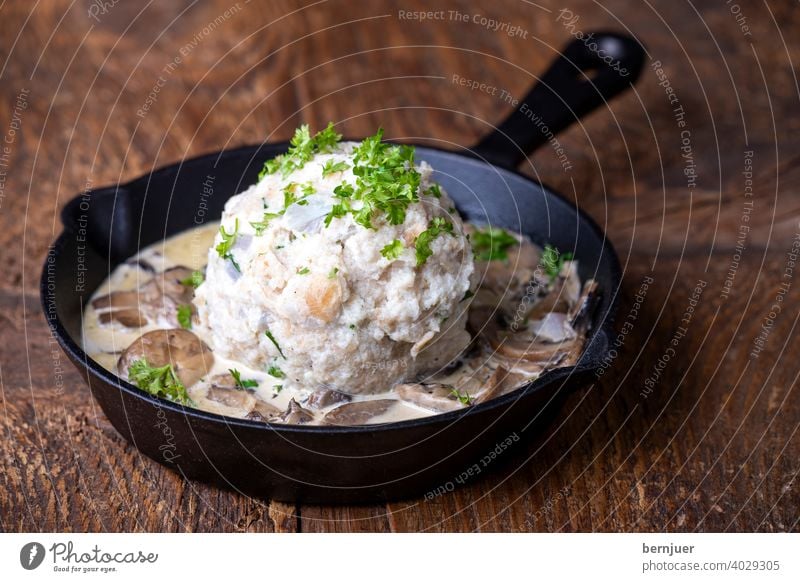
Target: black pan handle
x: 589, y: 72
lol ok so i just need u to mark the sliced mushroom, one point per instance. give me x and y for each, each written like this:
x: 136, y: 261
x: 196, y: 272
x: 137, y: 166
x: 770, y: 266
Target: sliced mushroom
x: 360, y: 412
x: 522, y: 367
x: 190, y: 357
x: 156, y: 301
x: 581, y: 313
x: 263, y: 412
x: 563, y: 294
x: 324, y: 397
x: 296, y: 414
x: 128, y: 317
x: 499, y: 383
x: 232, y: 397
x: 223, y: 381
x: 553, y: 328
x: 504, y: 276
x: 482, y: 321
x: 435, y: 397
x: 524, y: 349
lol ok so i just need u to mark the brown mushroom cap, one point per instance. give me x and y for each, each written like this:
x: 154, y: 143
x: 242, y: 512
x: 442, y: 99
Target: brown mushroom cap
x: 501, y: 382
x: 360, y: 412
x: 190, y: 357
x: 263, y: 412
x: 324, y: 397
x: 159, y: 298
x: 435, y: 397
x: 296, y: 414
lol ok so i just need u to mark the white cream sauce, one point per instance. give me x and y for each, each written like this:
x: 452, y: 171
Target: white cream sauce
x: 104, y: 342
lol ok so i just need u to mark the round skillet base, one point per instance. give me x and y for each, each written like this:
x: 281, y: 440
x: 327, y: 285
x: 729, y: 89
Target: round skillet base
x: 301, y: 463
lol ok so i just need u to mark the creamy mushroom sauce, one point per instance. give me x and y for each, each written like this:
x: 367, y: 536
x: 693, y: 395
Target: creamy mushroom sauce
x: 523, y: 320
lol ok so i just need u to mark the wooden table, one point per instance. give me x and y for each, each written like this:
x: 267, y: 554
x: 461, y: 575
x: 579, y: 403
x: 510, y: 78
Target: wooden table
x: 687, y: 430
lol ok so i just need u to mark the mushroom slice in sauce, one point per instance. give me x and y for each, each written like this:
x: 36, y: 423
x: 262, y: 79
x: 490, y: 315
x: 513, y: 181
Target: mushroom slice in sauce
x: 157, y: 300
x: 296, y: 414
x: 129, y: 317
x: 499, y: 383
x: 581, y: 313
x: 263, y: 412
x: 520, y: 347
x: 564, y: 293
x: 553, y: 328
x: 325, y: 397
x: 358, y: 412
x: 435, y: 397
x: 232, y: 397
x: 190, y: 357
x: 504, y: 276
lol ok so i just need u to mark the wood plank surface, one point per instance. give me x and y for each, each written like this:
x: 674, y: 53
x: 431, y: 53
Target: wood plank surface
x: 707, y: 440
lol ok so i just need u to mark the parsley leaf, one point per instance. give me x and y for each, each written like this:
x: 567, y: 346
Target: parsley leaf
x: 303, y: 271
x: 434, y: 190
x: 228, y: 240
x: 271, y: 337
x: 424, y: 239
x: 243, y: 384
x: 492, y: 244
x: 276, y: 372
x: 158, y: 381
x: 332, y: 167
x: 260, y: 227
x: 462, y: 397
x: 332, y: 274
x: 386, y: 183
x: 393, y: 250
x: 302, y: 148
x: 185, y: 316
x: 194, y: 280
x: 553, y: 261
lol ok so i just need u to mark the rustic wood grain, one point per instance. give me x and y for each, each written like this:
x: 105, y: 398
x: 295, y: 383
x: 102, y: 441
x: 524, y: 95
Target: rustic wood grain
x: 715, y: 445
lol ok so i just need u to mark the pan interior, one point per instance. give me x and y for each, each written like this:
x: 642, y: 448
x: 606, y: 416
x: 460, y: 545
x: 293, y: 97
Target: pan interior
x: 109, y: 225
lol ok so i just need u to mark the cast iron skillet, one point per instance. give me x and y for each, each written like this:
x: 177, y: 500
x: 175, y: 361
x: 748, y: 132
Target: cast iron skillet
x: 314, y: 464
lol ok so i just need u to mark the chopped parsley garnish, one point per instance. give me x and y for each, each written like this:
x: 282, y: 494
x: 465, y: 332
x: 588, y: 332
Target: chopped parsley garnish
x: 393, y: 250
x: 424, y: 239
x: 492, y: 244
x: 194, y: 280
x: 332, y: 274
x: 352, y: 326
x: 332, y: 167
x: 434, y: 190
x: 185, y: 316
x: 228, y: 239
x: 553, y: 261
x: 260, y: 227
x: 386, y: 183
x: 302, y: 148
x: 462, y: 397
x: 289, y: 197
x: 277, y: 388
x: 271, y: 337
x: 158, y: 381
x: 303, y: 271
x: 243, y: 384
x: 276, y: 372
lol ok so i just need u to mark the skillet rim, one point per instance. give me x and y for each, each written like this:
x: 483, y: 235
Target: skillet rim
x: 78, y: 355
